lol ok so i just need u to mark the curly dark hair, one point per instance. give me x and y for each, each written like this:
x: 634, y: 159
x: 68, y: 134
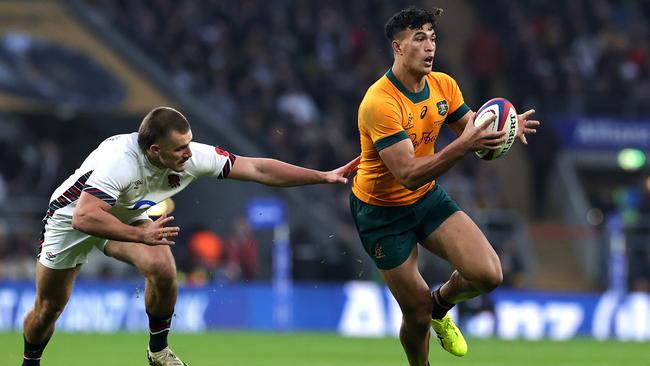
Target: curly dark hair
x: 411, y: 18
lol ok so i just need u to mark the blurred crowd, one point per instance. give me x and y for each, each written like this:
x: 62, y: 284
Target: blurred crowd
x: 30, y: 167
x: 290, y: 76
x: 580, y: 57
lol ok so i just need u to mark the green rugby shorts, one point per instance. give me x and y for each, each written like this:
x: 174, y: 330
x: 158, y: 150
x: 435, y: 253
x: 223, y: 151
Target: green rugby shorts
x: 389, y: 233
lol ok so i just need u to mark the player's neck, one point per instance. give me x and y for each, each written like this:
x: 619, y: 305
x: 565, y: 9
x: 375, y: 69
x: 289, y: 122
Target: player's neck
x: 153, y: 161
x: 412, y: 82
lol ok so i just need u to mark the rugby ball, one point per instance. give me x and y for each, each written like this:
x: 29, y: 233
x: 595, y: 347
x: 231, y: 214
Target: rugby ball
x: 506, y: 120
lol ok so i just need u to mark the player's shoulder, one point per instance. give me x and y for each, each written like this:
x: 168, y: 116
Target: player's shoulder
x: 208, y: 160
x: 117, y: 157
x: 201, y: 148
x: 380, y: 92
x: 122, y: 147
x: 441, y: 78
x: 200, y: 154
x: 126, y: 141
x: 203, y: 151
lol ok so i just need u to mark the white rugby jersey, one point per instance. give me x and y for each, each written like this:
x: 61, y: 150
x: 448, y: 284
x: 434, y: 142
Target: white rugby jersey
x: 119, y: 173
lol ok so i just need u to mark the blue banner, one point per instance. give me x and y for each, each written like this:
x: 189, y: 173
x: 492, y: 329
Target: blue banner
x: 352, y: 309
x: 603, y: 133
x: 266, y: 212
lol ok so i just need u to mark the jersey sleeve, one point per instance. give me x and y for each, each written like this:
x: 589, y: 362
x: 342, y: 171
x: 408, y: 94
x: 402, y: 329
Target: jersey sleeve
x: 110, y: 178
x: 211, y: 161
x: 141, y: 217
x: 381, y: 119
x: 457, y: 106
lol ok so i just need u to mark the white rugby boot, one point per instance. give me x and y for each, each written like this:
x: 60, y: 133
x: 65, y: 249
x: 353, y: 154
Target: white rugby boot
x: 164, y: 357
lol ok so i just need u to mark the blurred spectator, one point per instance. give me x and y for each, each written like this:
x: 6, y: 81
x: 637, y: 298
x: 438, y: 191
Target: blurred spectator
x: 485, y: 60
x: 241, y: 253
x: 207, y: 250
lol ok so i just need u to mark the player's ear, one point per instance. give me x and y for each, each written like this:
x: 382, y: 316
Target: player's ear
x: 154, y: 149
x: 397, y: 48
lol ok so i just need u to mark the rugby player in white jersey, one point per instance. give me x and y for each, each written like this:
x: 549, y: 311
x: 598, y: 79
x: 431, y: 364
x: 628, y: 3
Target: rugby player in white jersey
x: 102, y: 205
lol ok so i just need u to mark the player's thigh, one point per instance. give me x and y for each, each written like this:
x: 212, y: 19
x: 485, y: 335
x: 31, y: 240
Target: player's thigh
x: 387, y: 233
x: 145, y: 258
x: 459, y: 240
x: 407, y: 285
x: 54, y: 286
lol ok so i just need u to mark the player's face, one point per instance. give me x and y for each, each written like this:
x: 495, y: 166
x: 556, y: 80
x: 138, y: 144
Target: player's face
x: 174, y: 150
x: 419, y: 48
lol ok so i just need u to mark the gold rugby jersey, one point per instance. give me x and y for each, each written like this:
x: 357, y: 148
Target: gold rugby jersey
x: 389, y: 113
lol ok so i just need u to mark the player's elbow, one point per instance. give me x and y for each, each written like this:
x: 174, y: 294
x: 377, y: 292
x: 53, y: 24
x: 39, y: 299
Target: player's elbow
x: 411, y: 186
x: 409, y: 182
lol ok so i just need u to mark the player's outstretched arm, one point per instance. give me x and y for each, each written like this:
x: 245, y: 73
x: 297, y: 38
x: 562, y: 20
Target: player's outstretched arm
x: 277, y: 173
x: 413, y: 172
x: 92, y: 216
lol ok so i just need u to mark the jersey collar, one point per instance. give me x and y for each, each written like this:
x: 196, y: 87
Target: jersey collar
x: 149, y: 165
x: 413, y: 97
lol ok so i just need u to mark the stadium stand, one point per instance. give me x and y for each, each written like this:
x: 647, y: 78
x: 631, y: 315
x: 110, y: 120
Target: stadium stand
x: 288, y: 77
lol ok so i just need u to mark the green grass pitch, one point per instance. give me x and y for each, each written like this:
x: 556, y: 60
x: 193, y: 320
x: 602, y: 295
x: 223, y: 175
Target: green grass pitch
x: 312, y: 349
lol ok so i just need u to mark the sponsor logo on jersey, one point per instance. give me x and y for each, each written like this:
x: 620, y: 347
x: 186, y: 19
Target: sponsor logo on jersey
x: 423, y: 112
x: 409, y: 122
x: 426, y: 138
x: 137, y: 183
x: 50, y: 256
x: 442, y: 107
x: 174, y: 180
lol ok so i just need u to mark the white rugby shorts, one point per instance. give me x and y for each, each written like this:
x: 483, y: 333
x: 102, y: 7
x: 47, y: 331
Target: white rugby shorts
x: 67, y: 248
x: 64, y: 247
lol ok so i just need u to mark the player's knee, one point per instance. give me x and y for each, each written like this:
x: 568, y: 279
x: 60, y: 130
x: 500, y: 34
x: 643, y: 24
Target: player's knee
x: 417, y: 315
x: 161, y: 272
x: 418, y: 321
x: 490, y: 279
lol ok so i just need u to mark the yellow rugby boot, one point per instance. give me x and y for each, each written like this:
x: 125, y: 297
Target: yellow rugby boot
x: 449, y: 336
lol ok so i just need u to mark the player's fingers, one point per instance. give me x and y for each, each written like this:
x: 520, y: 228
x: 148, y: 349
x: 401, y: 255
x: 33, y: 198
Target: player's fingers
x: 164, y: 242
x: 532, y: 123
x: 165, y: 219
x: 490, y: 147
x: 523, y: 140
x: 495, y: 135
x: 526, y: 114
x: 160, y: 220
x: 165, y: 232
x: 494, y: 142
x: 172, y: 229
x: 354, y: 163
x: 488, y: 121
